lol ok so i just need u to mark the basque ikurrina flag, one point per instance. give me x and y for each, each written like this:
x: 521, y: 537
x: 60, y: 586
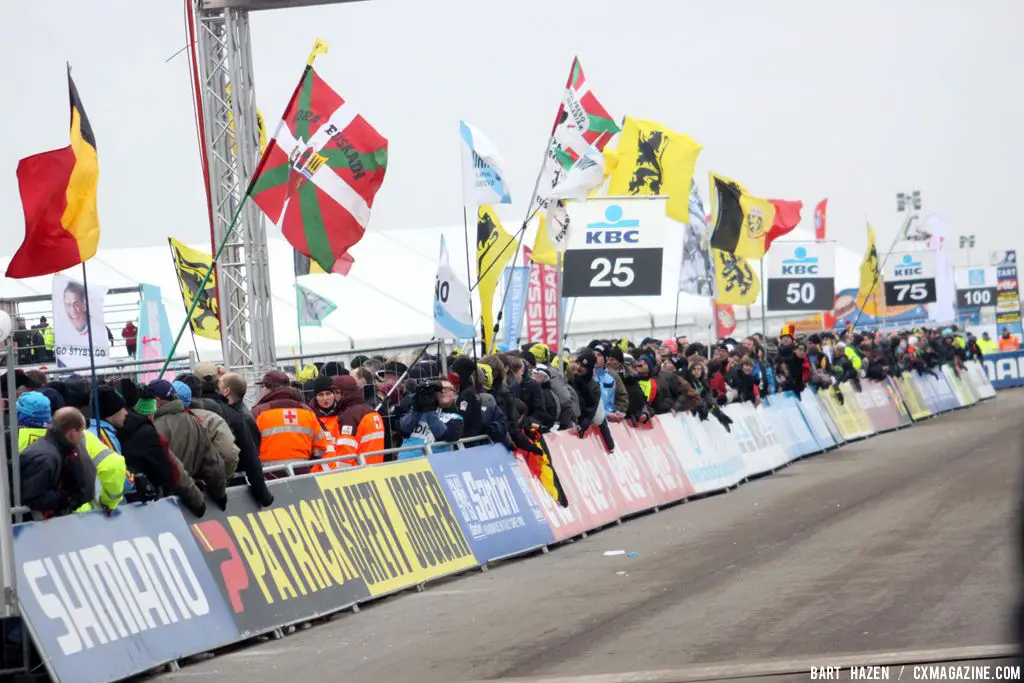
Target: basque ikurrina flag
x: 320, y: 173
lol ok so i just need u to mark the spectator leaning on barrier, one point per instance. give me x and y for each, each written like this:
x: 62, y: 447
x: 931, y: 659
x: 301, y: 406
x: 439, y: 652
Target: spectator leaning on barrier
x: 462, y: 374
x: 288, y: 428
x: 221, y: 438
x: 324, y: 405
x: 188, y: 440
x: 147, y: 453
x: 110, y: 466
x: 232, y: 387
x: 57, y: 475
x: 432, y: 418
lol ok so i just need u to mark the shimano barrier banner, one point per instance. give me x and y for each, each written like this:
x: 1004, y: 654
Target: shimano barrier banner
x: 492, y: 501
x: 812, y: 411
x: 699, y: 450
x: 878, y: 405
x: 782, y: 411
x: 978, y: 381
x: 306, y: 555
x: 916, y: 404
x: 108, y: 598
x: 1005, y: 370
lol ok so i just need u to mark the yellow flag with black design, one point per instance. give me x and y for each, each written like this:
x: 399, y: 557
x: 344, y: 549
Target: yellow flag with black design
x: 654, y: 160
x: 736, y: 282
x: 543, y: 250
x: 740, y: 221
x: 494, y: 249
x: 870, y: 280
x: 191, y: 266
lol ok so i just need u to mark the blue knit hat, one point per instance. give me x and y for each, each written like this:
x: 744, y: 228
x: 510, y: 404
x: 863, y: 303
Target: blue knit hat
x: 34, y: 407
x: 183, y: 392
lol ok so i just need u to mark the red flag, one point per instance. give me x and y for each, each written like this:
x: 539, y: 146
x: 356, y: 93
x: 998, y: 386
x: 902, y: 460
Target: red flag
x: 787, y: 216
x: 343, y: 265
x: 819, y: 219
x: 725, y: 320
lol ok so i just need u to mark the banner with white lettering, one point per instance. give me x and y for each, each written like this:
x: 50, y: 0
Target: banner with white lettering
x: 72, y: 321
x: 492, y: 500
x: 802, y: 276
x: 910, y: 278
x: 108, y: 599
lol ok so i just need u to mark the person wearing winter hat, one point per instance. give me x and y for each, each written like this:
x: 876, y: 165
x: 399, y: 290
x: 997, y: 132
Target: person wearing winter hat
x: 325, y: 404
x: 56, y: 400
x: 462, y: 374
x: 361, y: 428
x: 34, y: 414
x: 110, y: 417
x: 188, y: 439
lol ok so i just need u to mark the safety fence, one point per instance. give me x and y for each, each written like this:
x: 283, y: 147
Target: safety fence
x: 109, y: 598
x: 1005, y: 370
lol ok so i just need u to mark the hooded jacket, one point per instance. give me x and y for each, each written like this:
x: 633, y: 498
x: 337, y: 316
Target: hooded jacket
x: 188, y: 440
x: 674, y: 394
x: 289, y: 430
x: 463, y: 373
x: 361, y: 428
x: 146, y: 452
x: 57, y: 477
x: 587, y: 390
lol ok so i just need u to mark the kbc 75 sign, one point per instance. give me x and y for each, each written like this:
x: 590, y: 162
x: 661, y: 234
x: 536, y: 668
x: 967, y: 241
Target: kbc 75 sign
x: 910, y: 278
x: 615, y: 248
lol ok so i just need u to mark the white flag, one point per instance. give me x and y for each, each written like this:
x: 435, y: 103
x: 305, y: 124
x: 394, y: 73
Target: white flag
x: 313, y: 308
x: 579, y: 181
x: 451, y: 302
x: 696, y: 272
x: 483, y: 169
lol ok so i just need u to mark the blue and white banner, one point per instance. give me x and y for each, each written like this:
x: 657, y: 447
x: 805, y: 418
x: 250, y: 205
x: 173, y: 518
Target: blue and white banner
x: 106, y: 599
x: 817, y: 421
x: 517, y: 280
x: 783, y: 411
x: 492, y: 500
x: 451, y: 302
x: 154, y: 332
x: 483, y: 169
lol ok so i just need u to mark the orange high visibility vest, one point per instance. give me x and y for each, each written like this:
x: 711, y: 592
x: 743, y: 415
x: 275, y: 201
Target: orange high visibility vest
x: 1009, y: 344
x: 290, y: 434
x: 368, y: 437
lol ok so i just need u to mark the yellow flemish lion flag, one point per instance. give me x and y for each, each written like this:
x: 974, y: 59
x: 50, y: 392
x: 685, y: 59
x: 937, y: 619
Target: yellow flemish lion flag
x: 494, y: 249
x: 870, y: 281
x: 190, y: 265
x: 735, y: 281
x: 739, y: 220
x: 653, y: 160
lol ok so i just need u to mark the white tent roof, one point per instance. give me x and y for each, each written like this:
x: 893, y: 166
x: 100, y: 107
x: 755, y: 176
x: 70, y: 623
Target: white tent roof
x: 387, y: 298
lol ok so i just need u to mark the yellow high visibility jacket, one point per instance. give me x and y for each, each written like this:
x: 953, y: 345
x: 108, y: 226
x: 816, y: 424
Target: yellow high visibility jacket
x: 854, y: 357
x: 110, y: 470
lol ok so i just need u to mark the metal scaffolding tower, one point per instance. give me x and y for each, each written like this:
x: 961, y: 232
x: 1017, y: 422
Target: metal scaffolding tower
x: 232, y: 149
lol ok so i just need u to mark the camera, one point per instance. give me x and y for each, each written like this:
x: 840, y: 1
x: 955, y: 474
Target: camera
x: 425, y: 395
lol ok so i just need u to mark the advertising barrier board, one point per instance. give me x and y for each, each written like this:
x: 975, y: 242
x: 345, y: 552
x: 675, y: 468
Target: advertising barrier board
x: 817, y: 421
x: 648, y: 451
x: 915, y: 401
x: 1005, y: 370
x: 783, y: 413
x: 492, y: 500
x: 852, y: 405
x: 961, y: 389
x: 943, y: 392
x: 878, y: 405
x: 845, y: 421
x: 979, y: 382
x: 564, y: 522
x: 756, y: 439
x: 107, y: 598
x: 697, y: 450
x: 903, y: 418
x: 586, y: 478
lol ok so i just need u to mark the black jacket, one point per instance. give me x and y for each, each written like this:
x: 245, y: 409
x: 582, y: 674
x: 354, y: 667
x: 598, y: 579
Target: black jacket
x: 541, y: 405
x: 589, y: 395
x: 511, y: 407
x: 146, y: 452
x: 248, y: 451
x: 468, y: 402
x: 56, y: 477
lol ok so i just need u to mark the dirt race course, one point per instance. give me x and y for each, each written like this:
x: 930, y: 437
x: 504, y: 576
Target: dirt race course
x: 903, y: 541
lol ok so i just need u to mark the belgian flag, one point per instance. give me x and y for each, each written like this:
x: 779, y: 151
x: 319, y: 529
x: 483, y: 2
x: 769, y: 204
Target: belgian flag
x: 58, y: 195
x: 741, y: 221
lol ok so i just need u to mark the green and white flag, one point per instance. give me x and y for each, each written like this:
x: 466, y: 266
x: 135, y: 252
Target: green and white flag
x: 313, y: 308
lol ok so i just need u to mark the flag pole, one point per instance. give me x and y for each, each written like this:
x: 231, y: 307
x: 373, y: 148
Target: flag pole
x: 675, y: 321
x: 469, y: 276
x: 94, y: 413
x: 764, y: 307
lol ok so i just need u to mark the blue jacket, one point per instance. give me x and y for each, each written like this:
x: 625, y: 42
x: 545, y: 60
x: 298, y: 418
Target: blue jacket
x: 427, y: 429
x: 606, y: 383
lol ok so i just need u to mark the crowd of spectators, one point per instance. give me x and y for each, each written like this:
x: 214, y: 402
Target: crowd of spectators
x: 83, y: 448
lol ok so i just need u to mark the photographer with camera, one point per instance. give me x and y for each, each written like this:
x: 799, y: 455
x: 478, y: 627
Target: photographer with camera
x: 433, y: 417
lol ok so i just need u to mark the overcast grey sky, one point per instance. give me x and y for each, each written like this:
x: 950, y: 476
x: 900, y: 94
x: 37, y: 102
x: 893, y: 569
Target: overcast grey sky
x: 797, y: 99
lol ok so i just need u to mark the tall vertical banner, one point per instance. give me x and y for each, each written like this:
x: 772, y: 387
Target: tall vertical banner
x: 451, y: 302
x: 516, y: 282
x: 696, y: 270
x: 72, y: 322
x: 944, y: 308
x: 541, y: 303
x: 154, y: 332
x: 1008, y: 298
x: 725, y: 320
x: 801, y: 276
